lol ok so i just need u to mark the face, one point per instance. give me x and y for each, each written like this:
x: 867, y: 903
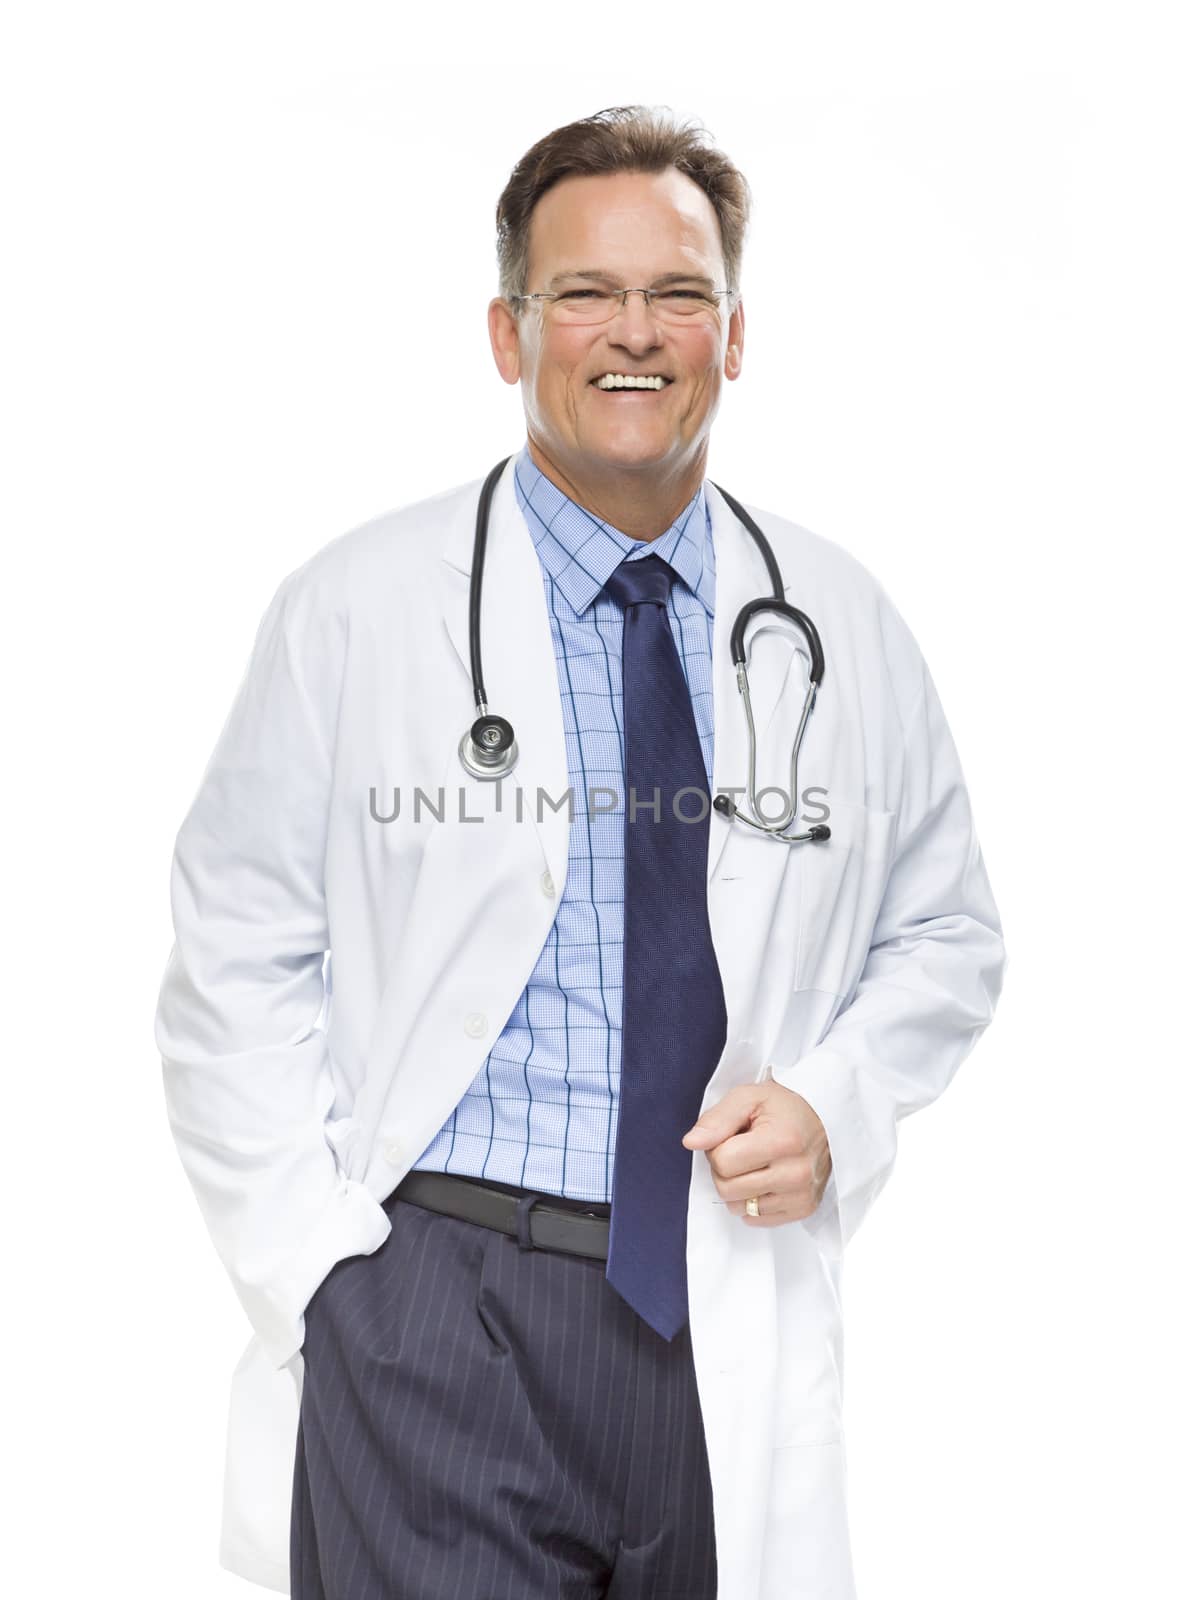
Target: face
x: 635, y: 227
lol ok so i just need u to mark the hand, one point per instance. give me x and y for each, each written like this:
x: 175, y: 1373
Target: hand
x: 764, y: 1140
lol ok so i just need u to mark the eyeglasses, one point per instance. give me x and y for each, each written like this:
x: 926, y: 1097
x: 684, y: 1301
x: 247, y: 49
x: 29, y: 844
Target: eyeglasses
x: 601, y: 305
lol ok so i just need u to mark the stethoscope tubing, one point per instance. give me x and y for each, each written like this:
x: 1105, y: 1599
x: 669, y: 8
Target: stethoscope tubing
x: 488, y: 749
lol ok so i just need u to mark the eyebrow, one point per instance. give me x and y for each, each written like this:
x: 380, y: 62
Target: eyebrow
x: 607, y: 277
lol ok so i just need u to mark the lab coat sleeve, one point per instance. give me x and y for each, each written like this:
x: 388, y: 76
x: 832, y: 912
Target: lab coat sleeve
x: 931, y: 979
x: 247, y: 1077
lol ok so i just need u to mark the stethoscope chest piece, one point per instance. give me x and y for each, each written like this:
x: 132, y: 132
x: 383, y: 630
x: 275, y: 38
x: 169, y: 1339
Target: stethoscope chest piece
x: 488, y: 749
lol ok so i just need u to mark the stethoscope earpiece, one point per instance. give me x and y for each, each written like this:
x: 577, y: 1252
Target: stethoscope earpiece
x: 818, y: 832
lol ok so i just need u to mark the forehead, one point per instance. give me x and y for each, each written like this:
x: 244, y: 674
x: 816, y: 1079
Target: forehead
x: 650, y: 222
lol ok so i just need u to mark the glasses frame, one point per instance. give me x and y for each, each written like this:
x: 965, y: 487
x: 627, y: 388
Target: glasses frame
x: 649, y: 295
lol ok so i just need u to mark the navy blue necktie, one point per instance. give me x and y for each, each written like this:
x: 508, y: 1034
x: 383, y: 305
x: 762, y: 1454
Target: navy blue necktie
x: 673, y: 1026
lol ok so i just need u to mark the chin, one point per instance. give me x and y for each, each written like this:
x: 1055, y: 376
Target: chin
x: 629, y: 457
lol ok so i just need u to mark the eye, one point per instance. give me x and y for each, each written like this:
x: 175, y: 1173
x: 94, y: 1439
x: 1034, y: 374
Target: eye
x: 582, y: 294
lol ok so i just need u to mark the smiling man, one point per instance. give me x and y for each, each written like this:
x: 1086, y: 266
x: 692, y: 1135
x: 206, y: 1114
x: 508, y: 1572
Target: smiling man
x: 620, y: 395
x: 540, y: 1232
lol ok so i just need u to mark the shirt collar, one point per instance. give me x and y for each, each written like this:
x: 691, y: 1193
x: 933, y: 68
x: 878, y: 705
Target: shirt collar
x: 581, y: 552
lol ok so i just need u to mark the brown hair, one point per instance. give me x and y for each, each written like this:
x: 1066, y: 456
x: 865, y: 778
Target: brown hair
x: 618, y: 139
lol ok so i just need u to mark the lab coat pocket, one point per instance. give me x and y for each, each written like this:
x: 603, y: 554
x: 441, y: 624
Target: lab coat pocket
x: 841, y: 884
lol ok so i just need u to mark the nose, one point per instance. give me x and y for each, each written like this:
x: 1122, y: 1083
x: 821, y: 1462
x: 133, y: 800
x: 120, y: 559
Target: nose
x: 634, y: 324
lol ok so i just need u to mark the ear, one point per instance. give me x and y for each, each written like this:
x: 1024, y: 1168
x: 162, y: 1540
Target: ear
x: 735, y: 348
x: 505, y: 336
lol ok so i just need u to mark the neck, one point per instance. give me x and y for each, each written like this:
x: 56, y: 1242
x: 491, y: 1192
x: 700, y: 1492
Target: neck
x: 640, y: 506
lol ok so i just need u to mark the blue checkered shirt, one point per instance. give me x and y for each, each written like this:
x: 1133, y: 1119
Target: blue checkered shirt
x: 542, y: 1110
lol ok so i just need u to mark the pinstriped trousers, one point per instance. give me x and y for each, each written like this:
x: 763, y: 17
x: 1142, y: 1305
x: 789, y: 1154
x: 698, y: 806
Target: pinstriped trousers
x: 485, y: 1421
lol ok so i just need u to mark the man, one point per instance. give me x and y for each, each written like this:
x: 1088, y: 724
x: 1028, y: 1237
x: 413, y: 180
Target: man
x: 541, y: 1238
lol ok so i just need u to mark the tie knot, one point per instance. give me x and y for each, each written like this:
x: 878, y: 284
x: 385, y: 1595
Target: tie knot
x: 648, y: 578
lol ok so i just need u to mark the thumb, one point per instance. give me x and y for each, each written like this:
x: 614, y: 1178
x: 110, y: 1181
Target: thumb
x: 704, y: 1132
x: 731, y: 1115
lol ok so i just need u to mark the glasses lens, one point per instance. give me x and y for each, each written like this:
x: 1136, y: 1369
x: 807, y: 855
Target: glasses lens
x: 598, y: 305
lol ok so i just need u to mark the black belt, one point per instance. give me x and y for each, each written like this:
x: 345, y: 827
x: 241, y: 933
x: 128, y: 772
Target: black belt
x: 536, y: 1220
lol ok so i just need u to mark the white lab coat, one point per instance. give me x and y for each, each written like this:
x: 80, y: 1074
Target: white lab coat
x: 859, y: 973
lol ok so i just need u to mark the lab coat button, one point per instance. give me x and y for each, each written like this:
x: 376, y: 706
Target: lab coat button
x: 476, y: 1024
x: 548, y: 885
x: 394, y: 1153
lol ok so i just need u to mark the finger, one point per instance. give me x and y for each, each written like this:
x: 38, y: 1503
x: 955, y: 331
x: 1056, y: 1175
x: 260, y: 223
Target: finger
x: 793, y: 1173
x: 752, y: 1151
x: 767, y: 1200
x: 772, y: 1211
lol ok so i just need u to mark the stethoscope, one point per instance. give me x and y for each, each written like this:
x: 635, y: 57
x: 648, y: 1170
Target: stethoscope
x: 488, y: 748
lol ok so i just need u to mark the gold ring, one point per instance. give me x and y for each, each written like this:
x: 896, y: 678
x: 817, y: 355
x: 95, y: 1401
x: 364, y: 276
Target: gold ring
x: 751, y: 1208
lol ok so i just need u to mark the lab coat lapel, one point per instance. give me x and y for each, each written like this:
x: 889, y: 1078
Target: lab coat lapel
x: 521, y: 681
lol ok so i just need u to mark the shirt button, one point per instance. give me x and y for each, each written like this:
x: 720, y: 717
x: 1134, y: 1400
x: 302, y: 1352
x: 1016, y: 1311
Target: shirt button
x: 476, y: 1024
x: 548, y: 885
x: 394, y: 1152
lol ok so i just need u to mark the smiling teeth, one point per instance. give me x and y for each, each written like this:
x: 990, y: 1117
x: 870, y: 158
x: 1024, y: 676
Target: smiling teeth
x: 614, y: 380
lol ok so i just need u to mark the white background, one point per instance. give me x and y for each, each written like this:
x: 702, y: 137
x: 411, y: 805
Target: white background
x: 249, y: 251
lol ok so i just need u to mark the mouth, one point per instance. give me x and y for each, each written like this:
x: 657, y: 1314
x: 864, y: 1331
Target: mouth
x: 622, y: 393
